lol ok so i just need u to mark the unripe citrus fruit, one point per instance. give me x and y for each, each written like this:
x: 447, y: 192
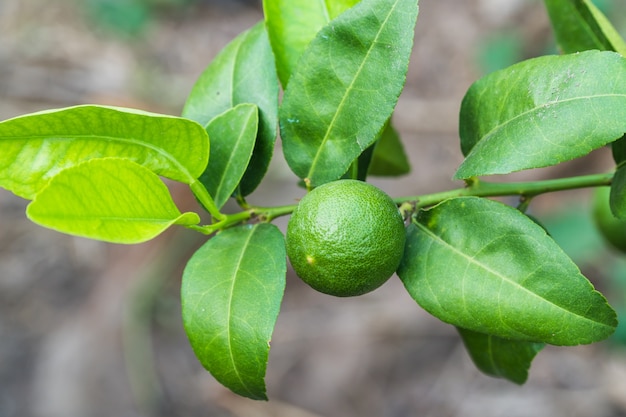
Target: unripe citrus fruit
x: 610, y: 227
x: 345, y: 238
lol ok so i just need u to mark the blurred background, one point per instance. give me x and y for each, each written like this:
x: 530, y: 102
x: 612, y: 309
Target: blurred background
x: 89, y: 329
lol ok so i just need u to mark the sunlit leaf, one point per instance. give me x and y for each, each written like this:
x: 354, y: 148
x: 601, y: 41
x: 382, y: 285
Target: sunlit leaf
x: 37, y: 146
x: 110, y: 199
x: 484, y: 266
x: 345, y: 87
x: 292, y: 25
x: 542, y: 112
x: 231, y: 293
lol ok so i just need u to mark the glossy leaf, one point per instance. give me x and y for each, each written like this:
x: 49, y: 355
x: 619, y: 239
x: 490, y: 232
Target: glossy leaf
x: 110, y: 199
x: 292, y: 25
x: 542, y: 112
x: 389, y: 158
x: 231, y: 293
x: 35, y: 147
x: 501, y: 358
x: 579, y: 26
x: 232, y: 141
x: 345, y: 88
x: 243, y: 72
x: 484, y: 266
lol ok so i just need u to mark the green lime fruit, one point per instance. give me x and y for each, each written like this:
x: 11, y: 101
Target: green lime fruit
x: 345, y: 238
x: 610, y: 227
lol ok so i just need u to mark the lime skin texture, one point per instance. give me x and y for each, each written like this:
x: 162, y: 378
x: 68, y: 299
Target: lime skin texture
x: 345, y: 238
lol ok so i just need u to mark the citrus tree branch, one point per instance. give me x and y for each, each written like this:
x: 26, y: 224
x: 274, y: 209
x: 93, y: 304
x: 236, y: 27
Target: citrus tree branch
x: 478, y: 188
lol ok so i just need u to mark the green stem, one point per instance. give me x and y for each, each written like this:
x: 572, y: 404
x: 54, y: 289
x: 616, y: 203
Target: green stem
x: 475, y: 187
x: 227, y: 220
x: 270, y: 213
x: 479, y: 188
x: 206, y: 200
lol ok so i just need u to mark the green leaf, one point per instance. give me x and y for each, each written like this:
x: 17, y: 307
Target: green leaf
x: 618, y: 149
x: 484, y: 266
x: 617, y: 198
x: 501, y: 358
x: 243, y: 72
x: 110, y: 199
x: 389, y: 158
x: 618, y: 185
x: 35, y: 147
x: 292, y: 25
x: 579, y: 26
x: 232, y: 140
x: 542, y: 112
x: 345, y: 88
x: 231, y: 293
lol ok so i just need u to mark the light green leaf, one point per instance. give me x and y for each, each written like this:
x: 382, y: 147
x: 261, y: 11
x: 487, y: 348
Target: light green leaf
x: 243, y: 72
x: 389, y: 158
x: 292, y: 25
x: 110, y: 199
x: 232, y: 140
x: 484, y: 266
x: 542, y: 112
x: 231, y: 293
x: 35, y: 147
x: 345, y: 88
x: 579, y: 26
x: 501, y: 358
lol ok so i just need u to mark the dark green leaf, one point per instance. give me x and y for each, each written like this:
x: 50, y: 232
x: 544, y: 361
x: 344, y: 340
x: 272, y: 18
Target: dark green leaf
x: 345, y: 88
x: 619, y: 150
x: 231, y: 293
x: 618, y: 185
x: 243, y: 72
x: 292, y: 25
x: 618, y: 193
x: 232, y: 140
x: 542, y: 112
x: 358, y: 169
x: 579, y: 26
x: 37, y: 146
x: 110, y: 199
x: 389, y: 158
x: 486, y: 267
x: 501, y: 358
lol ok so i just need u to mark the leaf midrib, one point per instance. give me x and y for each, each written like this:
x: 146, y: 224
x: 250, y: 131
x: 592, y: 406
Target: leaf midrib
x: 497, y: 274
x: 499, y: 126
x: 230, y: 306
x: 348, y: 90
x: 133, y: 141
